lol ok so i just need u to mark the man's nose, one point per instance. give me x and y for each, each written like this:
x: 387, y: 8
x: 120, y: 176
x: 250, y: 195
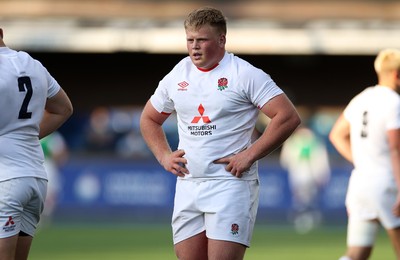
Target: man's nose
x: 195, y: 44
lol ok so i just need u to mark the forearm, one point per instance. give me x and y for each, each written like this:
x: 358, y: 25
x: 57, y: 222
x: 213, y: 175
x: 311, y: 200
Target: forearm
x: 58, y: 109
x: 51, y: 122
x: 340, y: 137
x: 344, y: 149
x: 155, y: 138
x: 277, y: 131
x: 395, y: 158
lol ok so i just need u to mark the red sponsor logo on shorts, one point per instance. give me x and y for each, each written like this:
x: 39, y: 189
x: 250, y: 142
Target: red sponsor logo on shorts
x: 10, y: 225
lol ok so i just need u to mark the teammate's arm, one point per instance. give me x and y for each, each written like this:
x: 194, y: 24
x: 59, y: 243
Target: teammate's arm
x: 340, y: 137
x: 151, y: 128
x: 394, y: 147
x: 57, y: 110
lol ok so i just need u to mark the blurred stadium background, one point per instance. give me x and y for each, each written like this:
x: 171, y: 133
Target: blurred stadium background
x: 110, y: 54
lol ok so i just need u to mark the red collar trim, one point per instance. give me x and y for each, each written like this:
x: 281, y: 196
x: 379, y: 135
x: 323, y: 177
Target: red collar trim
x: 209, y: 69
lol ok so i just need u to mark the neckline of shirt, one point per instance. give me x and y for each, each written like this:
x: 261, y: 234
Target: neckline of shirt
x: 214, y: 66
x: 209, y: 69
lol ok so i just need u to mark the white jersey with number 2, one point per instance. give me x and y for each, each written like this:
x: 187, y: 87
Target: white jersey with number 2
x: 372, y: 190
x: 216, y: 111
x: 24, y: 87
x: 371, y: 114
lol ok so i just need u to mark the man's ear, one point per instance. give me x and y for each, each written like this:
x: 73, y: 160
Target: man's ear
x: 222, y: 40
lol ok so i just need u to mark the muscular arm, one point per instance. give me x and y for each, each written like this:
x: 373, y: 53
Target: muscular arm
x: 284, y: 120
x: 151, y: 128
x: 340, y: 138
x: 57, y: 110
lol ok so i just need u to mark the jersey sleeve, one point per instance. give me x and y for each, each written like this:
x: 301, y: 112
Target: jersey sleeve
x: 393, y: 114
x: 261, y: 88
x: 54, y: 87
x: 347, y: 111
x: 160, y: 99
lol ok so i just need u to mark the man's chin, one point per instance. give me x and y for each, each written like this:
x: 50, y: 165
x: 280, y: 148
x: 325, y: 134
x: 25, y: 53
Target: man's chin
x: 198, y: 63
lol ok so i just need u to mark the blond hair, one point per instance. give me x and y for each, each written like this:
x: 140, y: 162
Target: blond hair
x: 206, y: 16
x: 387, y: 60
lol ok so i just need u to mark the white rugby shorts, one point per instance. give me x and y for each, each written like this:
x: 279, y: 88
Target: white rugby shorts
x: 224, y: 209
x: 372, y: 199
x: 21, y: 203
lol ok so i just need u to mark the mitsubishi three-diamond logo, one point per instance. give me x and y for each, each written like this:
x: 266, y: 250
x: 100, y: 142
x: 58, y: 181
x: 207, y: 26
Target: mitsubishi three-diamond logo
x: 205, y: 119
x: 201, y: 130
x: 10, y: 225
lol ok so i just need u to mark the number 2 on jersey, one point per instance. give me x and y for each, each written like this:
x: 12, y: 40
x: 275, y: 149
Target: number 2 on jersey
x: 25, y: 85
x: 364, y: 132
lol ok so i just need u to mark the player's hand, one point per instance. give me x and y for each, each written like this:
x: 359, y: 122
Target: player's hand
x: 175, y: 163
x: 236, y: 164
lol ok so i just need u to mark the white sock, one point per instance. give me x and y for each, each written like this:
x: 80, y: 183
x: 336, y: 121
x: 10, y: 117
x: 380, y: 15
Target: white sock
x: 345, y: 258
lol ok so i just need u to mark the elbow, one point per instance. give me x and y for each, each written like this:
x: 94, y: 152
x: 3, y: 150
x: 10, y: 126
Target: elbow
x: 333, y: 137
x: 68, y: 111
x: 292, y: 123
x: 295, y: 121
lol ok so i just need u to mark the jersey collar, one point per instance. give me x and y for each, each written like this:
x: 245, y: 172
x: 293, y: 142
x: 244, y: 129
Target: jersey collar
x: 209, y: 69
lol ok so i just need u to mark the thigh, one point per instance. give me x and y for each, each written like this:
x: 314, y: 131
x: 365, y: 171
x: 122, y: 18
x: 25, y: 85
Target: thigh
x: 361, y: 233
x: 21, y: 200
x: 225, y: 250
x: 385, y: 203
x: 34, y: 206
x: 187, y: 219
x: 10, y: 207
x: 230, y: 208
x: 394, y: 235
x: 8, y: 247
x: 193, y: 248
x: 23, y: 247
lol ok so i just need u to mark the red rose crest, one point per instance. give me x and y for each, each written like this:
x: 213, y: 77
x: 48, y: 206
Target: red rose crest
x: 222, y: 84
x: 235, y: 229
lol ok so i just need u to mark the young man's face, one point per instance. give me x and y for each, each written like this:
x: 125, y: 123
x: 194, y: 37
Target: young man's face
x: 205, y: 45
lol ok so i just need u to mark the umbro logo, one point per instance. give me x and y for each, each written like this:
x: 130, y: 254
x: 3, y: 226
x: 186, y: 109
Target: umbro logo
x: 183, y: 86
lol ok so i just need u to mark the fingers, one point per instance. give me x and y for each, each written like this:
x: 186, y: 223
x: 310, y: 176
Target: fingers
x: 396, y: 211
x: 222, y: 160
x: 178, y: 164
x: 230, y: 166
x: 179, y: 153
x: 177, y: 173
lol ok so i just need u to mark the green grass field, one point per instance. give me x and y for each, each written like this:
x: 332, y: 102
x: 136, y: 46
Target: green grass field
x: 148, y: 242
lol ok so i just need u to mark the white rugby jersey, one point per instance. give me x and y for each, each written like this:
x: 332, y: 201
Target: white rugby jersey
x: 216, y: 111
x: 371, y: 114
x: 24, y: 87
